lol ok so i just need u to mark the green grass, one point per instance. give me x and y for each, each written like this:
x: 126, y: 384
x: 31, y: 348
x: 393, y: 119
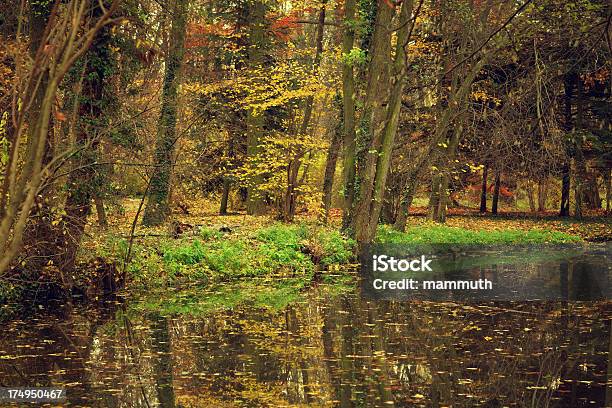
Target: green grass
x: 441, y: 234
x: 279, y: 249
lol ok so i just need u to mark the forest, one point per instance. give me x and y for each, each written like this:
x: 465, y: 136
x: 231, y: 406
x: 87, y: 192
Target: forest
x: 221, y: 165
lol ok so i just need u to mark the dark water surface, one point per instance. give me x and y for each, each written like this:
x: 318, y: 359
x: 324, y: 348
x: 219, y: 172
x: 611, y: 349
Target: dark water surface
x: 324, y: 350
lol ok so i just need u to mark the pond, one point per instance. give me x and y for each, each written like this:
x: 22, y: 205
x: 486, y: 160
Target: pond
x: 327, y: 348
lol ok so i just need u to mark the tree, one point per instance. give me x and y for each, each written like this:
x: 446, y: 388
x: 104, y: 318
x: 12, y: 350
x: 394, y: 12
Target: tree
x: 255, y: 118
x: 54, y: 58
x: 158, y: 208
x: 379, y: 119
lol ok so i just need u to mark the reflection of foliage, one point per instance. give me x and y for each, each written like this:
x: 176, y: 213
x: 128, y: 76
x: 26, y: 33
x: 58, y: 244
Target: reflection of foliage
x: 304, y: 353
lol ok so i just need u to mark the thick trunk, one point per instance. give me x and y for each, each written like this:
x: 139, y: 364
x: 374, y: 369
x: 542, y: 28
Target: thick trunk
x: 389, y: 207
x: 255, y: 120
x: 580, y: 176
x: 483, y: 190
x: 442, y: 201
x: 381, y: 117
x: 158, y: 207
x: 593, y: 199
x: 372, y: 124
x: 406, y: 202
x: 255, y: 199
x: 288, y: 208
x: 407, y: 197
x: 439, y: 214
x: 496, y: 192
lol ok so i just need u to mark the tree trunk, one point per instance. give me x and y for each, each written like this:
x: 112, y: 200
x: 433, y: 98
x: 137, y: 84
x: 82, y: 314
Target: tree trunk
x: 434, y: 197
x: 296, y: 161
x: 568, y: 126
x: 227, y: 183
x: 580, y: 177
x: 591, y: 192
x: 348, y: 113
x: 496, y: 192
x: 380, y: 120
x: 158, y: 207
x: 405, y: 204
x: 83, y: 180
x: 39, y: 232
x: 225, y: 196
x: 408, y: 196
x: 330, y: 170
x: 372, y: 123
x: 101, y: 212
x: 542, y: 194
x: 608, y: 181
x: 289, y: 202
x: 579, y: 171
x: 565, y: 190
x: 483, y: 190
x: 531, y: 196
x: 442, y: 202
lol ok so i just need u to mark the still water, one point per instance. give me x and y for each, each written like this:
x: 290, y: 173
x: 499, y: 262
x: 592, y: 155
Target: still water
x: 329, y: 348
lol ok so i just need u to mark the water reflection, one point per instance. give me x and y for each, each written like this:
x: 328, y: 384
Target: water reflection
x: 324, y: 351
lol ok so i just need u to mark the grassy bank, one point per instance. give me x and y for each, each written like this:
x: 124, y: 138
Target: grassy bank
x: 268, y: 263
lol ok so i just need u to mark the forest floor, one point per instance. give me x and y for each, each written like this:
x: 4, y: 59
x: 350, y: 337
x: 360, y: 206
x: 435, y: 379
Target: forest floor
x: 205, y: 260
x: 595, y: 226
x: 205, y: 246
x: 209, y: 261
